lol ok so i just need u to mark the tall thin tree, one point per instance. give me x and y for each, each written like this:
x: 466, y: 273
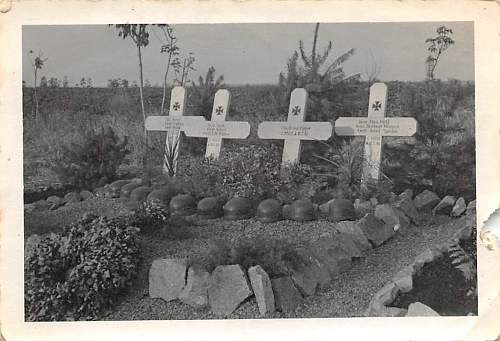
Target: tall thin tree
x: 170, y: 47
x: 37, y: 64
x: 437, y: 46
x: 182, y: 69
x: 140, y: 36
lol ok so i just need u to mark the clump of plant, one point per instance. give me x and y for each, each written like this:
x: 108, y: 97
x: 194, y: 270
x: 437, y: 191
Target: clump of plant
x: 445, y: 115
x: 263, y: 176
x: 322, y: 77
x: 343, y: 164
x: 86, y: 165
x: 270, y: 254
x: 299, y: 181
x: 150, y: 217
x: 78, y: 274
x: 204, y: 92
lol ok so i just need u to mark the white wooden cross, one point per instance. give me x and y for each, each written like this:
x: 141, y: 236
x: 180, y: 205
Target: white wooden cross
x: 295, y: 129
x: 218, y: 128
x: 374, y: 127
x: 173, y: 124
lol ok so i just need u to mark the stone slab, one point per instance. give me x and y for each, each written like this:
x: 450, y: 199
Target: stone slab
x: 352, y: 229
x: 392, y: 216
x: 426, y: 200
x: 375, y: 230
x: 228, y: 288
x: 195, y: 293
x: 316, y: 268
x: 167, y: 278
x: 420, y: 309
x: 262, y: 288
x: 445, y: 205
x: 459, y: 208
x: 287, y: 297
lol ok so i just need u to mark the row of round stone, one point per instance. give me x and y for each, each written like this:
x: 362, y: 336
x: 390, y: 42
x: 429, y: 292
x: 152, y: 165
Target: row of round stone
x: 237, y: 208
x: 268, y: 210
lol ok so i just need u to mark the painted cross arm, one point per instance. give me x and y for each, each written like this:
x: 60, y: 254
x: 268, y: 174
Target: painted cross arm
x: 292, y: 130
x: 221, y: 129
x: 167, y: 123
x: 387, y: 126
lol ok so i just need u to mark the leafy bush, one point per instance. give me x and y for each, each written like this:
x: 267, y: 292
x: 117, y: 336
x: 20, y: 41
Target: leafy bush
x: 262, y: 177
x: 154, y: 219
x: 204, y: 92
x: 445, y: 115
x: 79, y: 273
x: 270, y: 254
x: 95, y: 160
x: 150, y: 217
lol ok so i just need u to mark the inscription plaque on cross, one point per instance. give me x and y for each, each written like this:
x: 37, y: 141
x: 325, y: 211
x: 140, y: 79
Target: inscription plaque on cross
x: 218, y: 128
x: 374, y: 127
x: 294, y: 130
x: 173, y: 124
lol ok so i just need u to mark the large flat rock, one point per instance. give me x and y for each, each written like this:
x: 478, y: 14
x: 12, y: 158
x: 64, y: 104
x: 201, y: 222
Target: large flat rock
x: 195, y: 293
x: 330, y: 255
x: 445, y: 205
x: 302, y: 275
x: 420, y: 309
x: 286, y: 295
x: 459, y: 208
x: 376, y: 230
x: 405, y: 204
x: 228, y: 288
x: 352, y: 229
x: 426, y: 200
x: 392, y: 216
x: 167, y: 278
x: 263, y: 290
x: 316, y: 269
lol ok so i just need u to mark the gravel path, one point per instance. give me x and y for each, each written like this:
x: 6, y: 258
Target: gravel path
x: 347, y: 296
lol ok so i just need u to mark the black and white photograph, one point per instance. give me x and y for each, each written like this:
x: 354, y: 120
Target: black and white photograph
x: 249, y: 171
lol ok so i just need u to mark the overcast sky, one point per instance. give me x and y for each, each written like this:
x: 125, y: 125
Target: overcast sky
x: 246, y: 53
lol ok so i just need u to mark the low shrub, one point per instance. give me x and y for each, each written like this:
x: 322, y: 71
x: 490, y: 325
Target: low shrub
x: 270, y: 254
x: 79, y: 273
x: 150, y: 217
x: 85, y: 165
x: 343, y: 165
x: 262, y: 178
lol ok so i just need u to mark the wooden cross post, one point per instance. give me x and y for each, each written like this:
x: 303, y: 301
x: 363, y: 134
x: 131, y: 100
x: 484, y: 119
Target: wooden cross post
x: 374, y: 127
x: 173, y: 124
x: 295, y: 129
x: 218, y: 128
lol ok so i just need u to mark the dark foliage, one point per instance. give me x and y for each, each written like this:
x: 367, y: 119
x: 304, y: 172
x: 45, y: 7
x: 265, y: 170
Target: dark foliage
x: 263, y: 177
x: 441, y: 286
x: 150, y: 217
x: 98, y: 157
x: 270, y: 254
x: 79, y: 273
x: 443, y: 155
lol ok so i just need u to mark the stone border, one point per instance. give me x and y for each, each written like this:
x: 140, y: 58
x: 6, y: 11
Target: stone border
x: 321, y: 260
x: 402, y: 281
x: 358, y: 227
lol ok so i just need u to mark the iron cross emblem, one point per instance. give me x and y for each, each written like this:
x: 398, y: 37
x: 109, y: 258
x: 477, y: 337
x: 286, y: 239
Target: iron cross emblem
x: 219, y: 110
x: 296, y: 110
x: 377, y: 105
x: 176, y: 106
